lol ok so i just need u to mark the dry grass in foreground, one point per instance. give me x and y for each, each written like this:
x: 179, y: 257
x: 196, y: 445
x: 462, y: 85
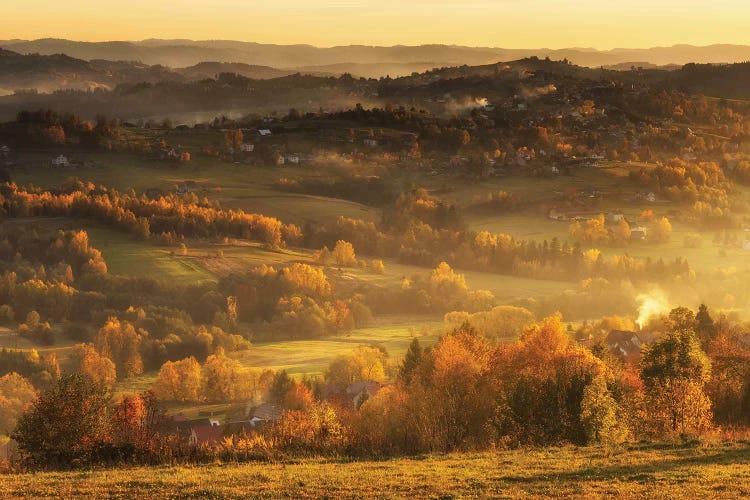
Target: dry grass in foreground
x: 721, y: 470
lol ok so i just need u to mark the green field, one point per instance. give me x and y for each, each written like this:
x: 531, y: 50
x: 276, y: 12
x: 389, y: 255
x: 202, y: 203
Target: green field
x: 236, y: 186
x: 669, y: 471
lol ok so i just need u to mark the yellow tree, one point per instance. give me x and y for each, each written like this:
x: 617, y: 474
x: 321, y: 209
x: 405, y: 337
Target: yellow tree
x: 621, y: 232
x: 363, y: 364
x: 179, y: 380
x: 119, y: 342
x: 99, y: 369
x: 661, y: 230
x: 221, y: 378
x: 343, y: 253
x: 16, y: 393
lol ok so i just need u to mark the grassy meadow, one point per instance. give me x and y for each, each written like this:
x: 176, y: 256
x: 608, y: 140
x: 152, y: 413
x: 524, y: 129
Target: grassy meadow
x: 719, y: 470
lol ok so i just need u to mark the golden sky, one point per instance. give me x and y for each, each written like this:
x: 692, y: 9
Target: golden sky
x: 496, y: 23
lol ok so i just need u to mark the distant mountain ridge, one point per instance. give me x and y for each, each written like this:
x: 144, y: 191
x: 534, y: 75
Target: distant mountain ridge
x: 183, y: 53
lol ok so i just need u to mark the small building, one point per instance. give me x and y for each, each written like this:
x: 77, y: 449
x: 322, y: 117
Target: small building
x: 187, y: 187
x: 280, y: 160
x: 204, y: 435
x: 624, y: 343
x: 264, y: 132
x: 247, y: 147
x: 292, y: 158
x: 555, y: 214
x: 370, y: 142
x: 60, y: 161
x: 615, y: 216
x: 359, y: 392
x: 638, y: 233
x: 263, y: 414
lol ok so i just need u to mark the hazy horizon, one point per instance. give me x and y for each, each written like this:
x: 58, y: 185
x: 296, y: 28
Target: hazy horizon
x: 385, y: 45
x: 478, y: 23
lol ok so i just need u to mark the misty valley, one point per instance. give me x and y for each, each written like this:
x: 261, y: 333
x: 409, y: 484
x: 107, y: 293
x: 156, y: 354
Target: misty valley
x: 367, y: 275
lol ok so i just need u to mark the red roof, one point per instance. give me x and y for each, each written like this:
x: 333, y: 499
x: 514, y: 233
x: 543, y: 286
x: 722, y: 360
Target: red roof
x: 206, y: 434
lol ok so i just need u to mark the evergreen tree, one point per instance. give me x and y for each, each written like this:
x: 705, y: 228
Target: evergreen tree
x: 705, y: 327
x: 411, y: 361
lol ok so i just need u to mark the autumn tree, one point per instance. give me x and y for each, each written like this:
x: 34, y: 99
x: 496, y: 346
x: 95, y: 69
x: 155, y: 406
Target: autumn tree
x: 16, y: 393
x: 119, y: 342
x: 137, y: 422
x: 343, y: 253
x: 222, y: 379
x: 65, y: 424
x: 98, y: 369
x: 363, y: 364
x: 600, y: 414
x: 179, y: 381
x: 541, y: 381
x: 233, y: 137
x: 661, y: 230
x: 675, y: 370
x: 450, y: 403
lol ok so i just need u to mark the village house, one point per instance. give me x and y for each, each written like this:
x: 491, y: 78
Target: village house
x: 172, y: 154
x: 199, y: 431
x: 615, y: 216
x: 689, y: 155
x: 370, y: 142
x: 247, y: 147
x: 262, y: 414
x: 359, y: 392
x: 293, y: 158
x: 60, y: 161
x: 623, y: 343
x: 264, y: 132
x: 187, y: 187
x: 638, y: 233
x: 353, y: 395
x: 206, y: 434
x: 555, y: 214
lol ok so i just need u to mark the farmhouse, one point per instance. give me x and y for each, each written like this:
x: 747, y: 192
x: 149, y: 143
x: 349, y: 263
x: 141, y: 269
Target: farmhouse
x: 353, y: 395
x: 292, y: 158
x: 262, y: 414
x: 60, y: 161
x: 205, y: 434
x: 555, y: 214
x: 624, y: 343
x: 187, y: 187
x: 638, y: 233
x: 615, y: 216
x: 359, y: 392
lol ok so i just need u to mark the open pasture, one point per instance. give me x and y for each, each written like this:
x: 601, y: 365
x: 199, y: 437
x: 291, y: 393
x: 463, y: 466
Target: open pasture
x: 652, y: 471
